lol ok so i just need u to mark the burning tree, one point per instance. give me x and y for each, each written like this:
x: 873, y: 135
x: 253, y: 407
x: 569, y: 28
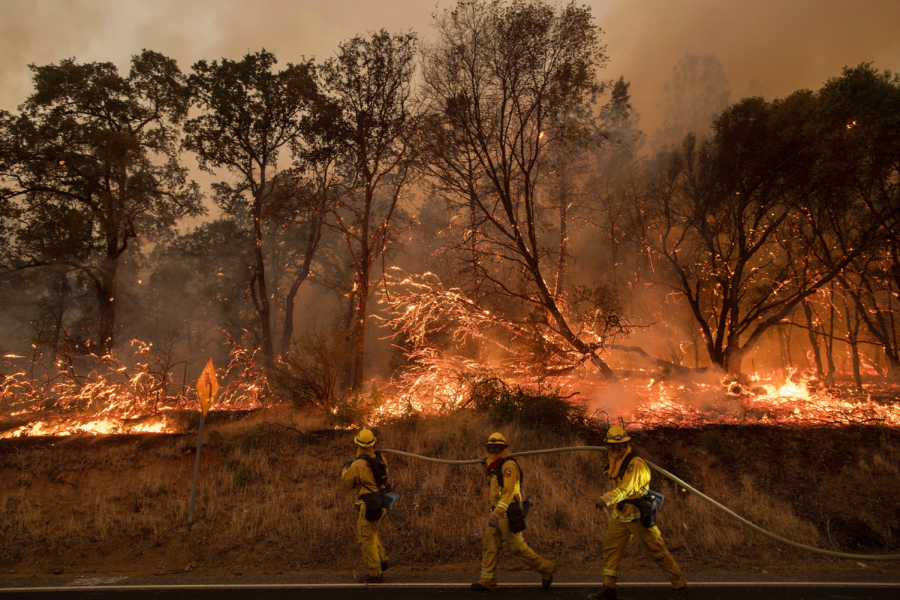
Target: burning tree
x: 501, y: 81
x: 862, y: 107
x: 421, y: 308
x: 89, y: 165
x: 748, y: 224
x: 370, y: 83
x: 252, y: 117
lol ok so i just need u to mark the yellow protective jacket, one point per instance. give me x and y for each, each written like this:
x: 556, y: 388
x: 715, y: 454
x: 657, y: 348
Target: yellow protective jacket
x: 630, y: 485
x: 359, y: 474
x: 502, y: 497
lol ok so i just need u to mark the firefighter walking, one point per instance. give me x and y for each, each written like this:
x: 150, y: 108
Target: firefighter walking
x: 367, y: 474
x: 505, y: 478
x: 631, y: 480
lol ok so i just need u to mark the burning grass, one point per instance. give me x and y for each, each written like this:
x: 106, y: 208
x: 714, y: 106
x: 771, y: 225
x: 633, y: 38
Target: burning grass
x: 111, y: 394
x: 269, y: 497
x: 791, y: 403
x: 137, y: 393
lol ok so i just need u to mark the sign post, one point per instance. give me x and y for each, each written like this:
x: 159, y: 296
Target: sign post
x: 207, y: 386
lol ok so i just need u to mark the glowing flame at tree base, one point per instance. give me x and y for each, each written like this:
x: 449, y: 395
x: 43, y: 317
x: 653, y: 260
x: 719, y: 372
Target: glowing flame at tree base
x: 438, y: 383
x: 789, y: 404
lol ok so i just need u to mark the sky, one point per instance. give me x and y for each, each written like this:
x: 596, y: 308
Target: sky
x: 783, y: 45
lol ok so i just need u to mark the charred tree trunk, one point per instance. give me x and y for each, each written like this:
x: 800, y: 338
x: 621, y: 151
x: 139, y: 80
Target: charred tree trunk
x: 263, y: 307
x: 287, y: 331
x: 363, y: 264
x: 812, y: 330
x: 829, y: 339
x: 349, y: 332
x: 893, y: 360
x: 59, y: 314
x: 476, y: 261
x: 696, y: 345
x: 106, y: 296
x: 787, y: 346
x: 733, y: 359
x: 853, y: 322
x: 312, y: 245
x: 563, y: 232
x: 857, y: 375
x: 360, y: 328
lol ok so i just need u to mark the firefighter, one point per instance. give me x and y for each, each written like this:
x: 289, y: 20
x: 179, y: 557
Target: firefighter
x: 505, y: 479
x: 365, y: 474
x: 631, y: 480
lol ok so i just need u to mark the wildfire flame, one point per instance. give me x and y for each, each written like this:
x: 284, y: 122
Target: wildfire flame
x: 116, y: 394
x: 791, y: 403
x: 119, y: 397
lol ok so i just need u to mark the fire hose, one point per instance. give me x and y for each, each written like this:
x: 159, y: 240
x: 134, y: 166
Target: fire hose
x: 672, y: 477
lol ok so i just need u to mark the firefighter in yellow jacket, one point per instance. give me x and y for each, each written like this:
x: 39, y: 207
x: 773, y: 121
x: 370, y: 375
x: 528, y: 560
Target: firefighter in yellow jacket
x: 505, y: 479
x: 367, y: 474
x: 631, y: 478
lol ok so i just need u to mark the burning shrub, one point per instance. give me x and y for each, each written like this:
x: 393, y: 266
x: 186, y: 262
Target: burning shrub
x: 118, y: 392
x: 357, y: 409
x: 247, y: 382
x: 310, y: 373
x: 540, y: 404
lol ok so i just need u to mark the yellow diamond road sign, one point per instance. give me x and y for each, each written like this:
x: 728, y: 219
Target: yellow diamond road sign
x: 207, y: 386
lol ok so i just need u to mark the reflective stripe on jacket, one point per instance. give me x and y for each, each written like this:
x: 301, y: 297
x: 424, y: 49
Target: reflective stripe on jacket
x: 502, y: 497
x: 634, y: 483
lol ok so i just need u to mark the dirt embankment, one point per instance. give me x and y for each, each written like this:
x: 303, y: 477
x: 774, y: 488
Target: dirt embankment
x: 269, y: 500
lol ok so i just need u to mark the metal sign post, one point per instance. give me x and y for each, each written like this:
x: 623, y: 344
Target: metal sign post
x: 207, y: 386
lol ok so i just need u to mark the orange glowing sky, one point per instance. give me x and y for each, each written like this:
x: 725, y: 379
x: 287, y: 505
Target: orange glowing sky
x: 784, y: 46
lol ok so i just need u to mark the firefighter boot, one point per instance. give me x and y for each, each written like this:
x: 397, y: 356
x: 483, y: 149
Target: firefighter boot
x: 680, y: 594
x: 547, y: 568
x: 370, y: 579
x: 477, y: 587
x: 606, y: 593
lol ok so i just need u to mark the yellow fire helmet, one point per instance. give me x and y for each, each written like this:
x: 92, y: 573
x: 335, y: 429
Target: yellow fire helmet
x: 366, y: 438
x: 497, y: 439
x: 617, y: 435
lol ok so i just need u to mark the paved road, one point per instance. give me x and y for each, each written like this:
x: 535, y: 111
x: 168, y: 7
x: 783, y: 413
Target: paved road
x: 699, y: 591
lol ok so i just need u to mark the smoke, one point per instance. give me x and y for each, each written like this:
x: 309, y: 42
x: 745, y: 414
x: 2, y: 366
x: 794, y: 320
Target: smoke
x: 615, y: 399
x: 769, y: 46
x: 47, y: 31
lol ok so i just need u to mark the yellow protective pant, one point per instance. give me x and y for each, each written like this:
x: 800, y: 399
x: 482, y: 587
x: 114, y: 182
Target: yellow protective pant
x: 492, y: 543
x: 367, y: 536
x: 617, y: 535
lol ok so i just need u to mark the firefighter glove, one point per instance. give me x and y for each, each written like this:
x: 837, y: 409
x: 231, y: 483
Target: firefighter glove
x: 493, y: 521
x: 347, y: 464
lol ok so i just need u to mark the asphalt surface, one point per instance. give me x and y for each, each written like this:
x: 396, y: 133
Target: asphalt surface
x: 103, y: 589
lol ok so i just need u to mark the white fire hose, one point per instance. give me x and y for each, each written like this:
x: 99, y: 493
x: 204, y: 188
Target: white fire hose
x: 684, y: 485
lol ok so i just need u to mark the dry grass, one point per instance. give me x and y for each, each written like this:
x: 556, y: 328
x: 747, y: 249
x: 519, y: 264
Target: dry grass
x: 269, y: 499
